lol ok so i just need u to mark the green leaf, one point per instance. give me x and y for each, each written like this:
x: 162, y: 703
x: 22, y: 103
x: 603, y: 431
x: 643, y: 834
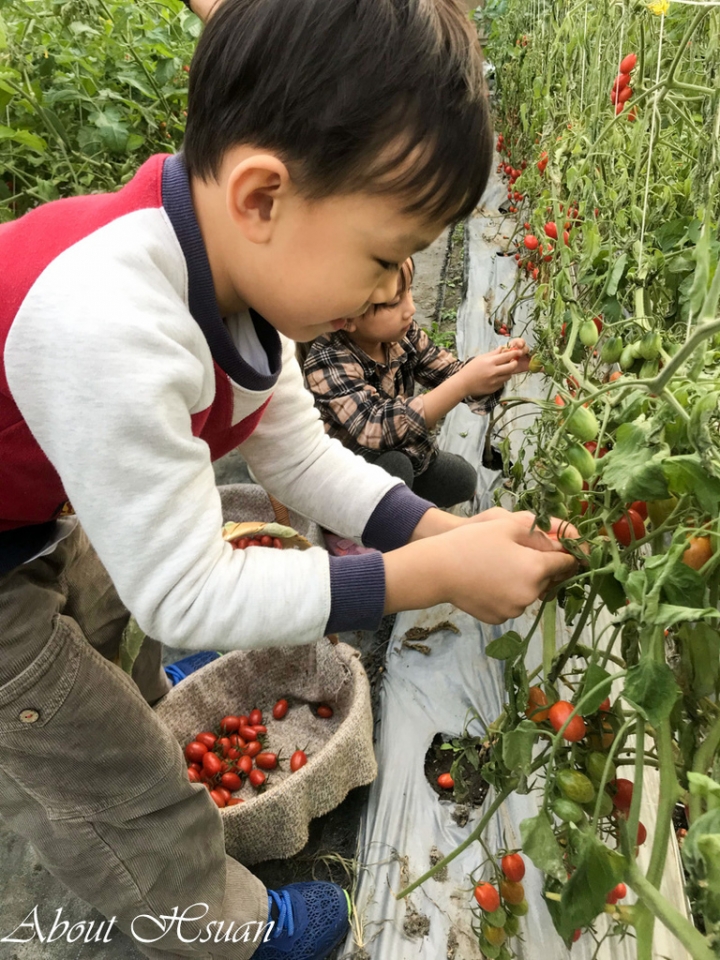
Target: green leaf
x: 634, y: 466
x: 539, y: 843
x: 611, y: 591
x: 615, y: 275
x: 682, y: 585
x: 703, y: 786
x: 700, y: 654
x: 702, y: 272
x: 668, y: 615
x: 506, y: 647
x: 598, y: 870
x: 687, y: 474
x: 651, y: 688
x: 701, y: 857
x: 24, y: 137
x: 517, y: 747
x: 131, y: 642
x: 593, y: 676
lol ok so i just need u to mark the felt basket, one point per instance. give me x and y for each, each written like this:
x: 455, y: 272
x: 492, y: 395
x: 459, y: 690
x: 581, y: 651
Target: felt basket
x: 274, y: 823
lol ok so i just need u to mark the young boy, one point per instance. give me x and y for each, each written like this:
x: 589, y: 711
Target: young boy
x: 144, y: 333
x: 363, y: 380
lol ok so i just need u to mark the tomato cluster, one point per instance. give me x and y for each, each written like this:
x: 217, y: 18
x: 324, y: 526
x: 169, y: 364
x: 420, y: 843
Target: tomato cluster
x: 502, y: 903
x: 621, y: 90
x: 239, y: 749
x: 264, y: 541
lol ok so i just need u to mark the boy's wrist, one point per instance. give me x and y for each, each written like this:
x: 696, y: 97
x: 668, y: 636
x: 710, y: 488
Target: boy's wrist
x: 434, y: 522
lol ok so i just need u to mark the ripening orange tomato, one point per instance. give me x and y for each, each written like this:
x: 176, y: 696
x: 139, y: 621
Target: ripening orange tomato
x: 536, y: 701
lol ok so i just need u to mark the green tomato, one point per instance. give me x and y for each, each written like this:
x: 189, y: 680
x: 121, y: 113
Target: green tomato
x: 588, y: 333
x: 612, y: 350
x: 582, y: 424
x: 575, y: 786
x: 581, y: 458
x: 649, y: 369
x: 519, y: 909
x: 660, y: 510
x: 627, y: 358
x: 497, y: 918
x: 570, y: 481
x: 568, y: 811
x: 606, y: 805
x: 512, y: 925
x: 595, y: 767
x: 650, y: 346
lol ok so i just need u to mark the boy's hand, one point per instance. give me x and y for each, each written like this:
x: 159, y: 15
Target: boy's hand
x: 488, y: 372
x: 493, y: 569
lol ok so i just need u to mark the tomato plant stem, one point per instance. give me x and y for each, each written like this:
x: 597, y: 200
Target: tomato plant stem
x: 702, y: 763
x: 659, y: 907
x: 574, y: 639
x: 549, y: 634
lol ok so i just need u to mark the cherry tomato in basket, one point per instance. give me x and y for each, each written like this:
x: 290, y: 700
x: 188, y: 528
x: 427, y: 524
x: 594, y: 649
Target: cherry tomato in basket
x: 245, y: 765
x: 230, y: 724
x: 324, y: 711
x: 298, y: 760
x: 225, y: 793
x: 231, y: 781
x: 248, y: 733
x: 253, y: 749
x: 255, y: 717
x: 277, y: 543
x: 260, y: 729
x: 219, y: 798
x: 212, y: 764
x: 280, y: 709
x: 244, y: 721
x: 266, y: 761
x: 266, y: 541
x: 193, y: 775
x: 236, y: 740
x: 257, y: 778
x: 234, y: 801
x: 209, y: 739
x: 233, y: 753
x: 224, y: 744
x: 195, y: 751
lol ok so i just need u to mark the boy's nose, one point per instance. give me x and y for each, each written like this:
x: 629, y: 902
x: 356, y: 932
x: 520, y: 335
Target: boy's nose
x: 409, y: 310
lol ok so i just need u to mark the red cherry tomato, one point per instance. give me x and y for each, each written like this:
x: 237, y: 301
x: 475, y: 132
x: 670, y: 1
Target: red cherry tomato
x: 233, y: 753
x: 640, y: 507
x: 257, y: 778
x: 266, y: 541
x: 605, y: 706
x: 551, y: 230
x: 207, y: 738
x: 253, y: 749
x: 576, y: 935
x: 244, y: 721
x: 212, y: 764
x: 630, y: 526
x: 234, y: 801
x: 280, y: 709
x: 298, y: 760
x: 225, y: 793
x: 513, y: 866
x: 231, y: 781
x: 236, y: 740
x: 219, y: 798
x: 487, y: 897
x: 266, y: 761
x: 255, y: 717
x: 559, y: 712
x: 230, y: 724
x: 324, y: 711
x: 628, y: 63
x: 260, y: 730
x: 618, y: 892
x: 224, y: 744
x: 623, y: 791
x: 445, y: 781
x: 245, y: 765
x: 248, y: 733
x: 641, y: 834
x: 531, y: 241
x: 193, y: 775
x: 195, y: 751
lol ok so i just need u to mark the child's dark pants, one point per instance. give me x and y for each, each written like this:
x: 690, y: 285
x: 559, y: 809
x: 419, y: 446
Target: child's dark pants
x: 90, y: 776
x: 448, y: 480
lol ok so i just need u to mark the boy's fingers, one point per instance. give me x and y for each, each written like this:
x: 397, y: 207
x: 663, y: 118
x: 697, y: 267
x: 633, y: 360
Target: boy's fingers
x: 557, y: 567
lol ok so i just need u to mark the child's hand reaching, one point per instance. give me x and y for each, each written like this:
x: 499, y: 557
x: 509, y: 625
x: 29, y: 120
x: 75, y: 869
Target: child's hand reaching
x: 488, y: 372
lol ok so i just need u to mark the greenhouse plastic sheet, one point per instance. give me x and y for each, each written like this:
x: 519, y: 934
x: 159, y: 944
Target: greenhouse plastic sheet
x: 407, y: 827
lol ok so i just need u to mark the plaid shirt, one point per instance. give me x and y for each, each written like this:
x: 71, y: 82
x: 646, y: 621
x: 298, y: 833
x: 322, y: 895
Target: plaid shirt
x: 369, y: 406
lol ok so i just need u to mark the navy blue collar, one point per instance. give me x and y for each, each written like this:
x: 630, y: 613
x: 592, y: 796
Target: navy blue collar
x: 177, y: 201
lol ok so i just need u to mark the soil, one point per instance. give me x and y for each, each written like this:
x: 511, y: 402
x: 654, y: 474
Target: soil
x: 439, y: 761
x: 452, y: 289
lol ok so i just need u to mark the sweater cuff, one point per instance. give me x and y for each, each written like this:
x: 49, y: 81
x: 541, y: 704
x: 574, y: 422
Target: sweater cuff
x: 357, y: 592
x: 393, y: 520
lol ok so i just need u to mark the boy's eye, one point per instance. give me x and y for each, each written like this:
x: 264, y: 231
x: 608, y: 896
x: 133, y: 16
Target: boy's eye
x: 389, y: 266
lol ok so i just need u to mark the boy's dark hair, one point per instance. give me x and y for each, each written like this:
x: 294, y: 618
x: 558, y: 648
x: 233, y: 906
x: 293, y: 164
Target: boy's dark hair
x: 385, y: 96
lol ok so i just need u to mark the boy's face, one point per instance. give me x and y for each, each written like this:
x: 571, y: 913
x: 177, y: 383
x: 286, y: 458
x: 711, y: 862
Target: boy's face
x: 309, y: 265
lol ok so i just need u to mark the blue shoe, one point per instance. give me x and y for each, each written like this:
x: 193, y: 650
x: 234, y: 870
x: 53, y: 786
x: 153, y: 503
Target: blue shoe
x: 183, y: 668
x: 310, y: 919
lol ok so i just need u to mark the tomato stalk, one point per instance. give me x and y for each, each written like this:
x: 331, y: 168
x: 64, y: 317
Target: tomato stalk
x: 549, y: 636
x: 574, y: 639
x: 703, y: 761
x: 657, y: 906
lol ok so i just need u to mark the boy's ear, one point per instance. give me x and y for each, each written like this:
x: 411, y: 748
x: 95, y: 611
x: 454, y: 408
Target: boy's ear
x: 256, y: 190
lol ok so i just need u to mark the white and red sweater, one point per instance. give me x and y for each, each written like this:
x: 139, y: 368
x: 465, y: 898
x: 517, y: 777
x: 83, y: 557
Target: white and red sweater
x: 120, y: 382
